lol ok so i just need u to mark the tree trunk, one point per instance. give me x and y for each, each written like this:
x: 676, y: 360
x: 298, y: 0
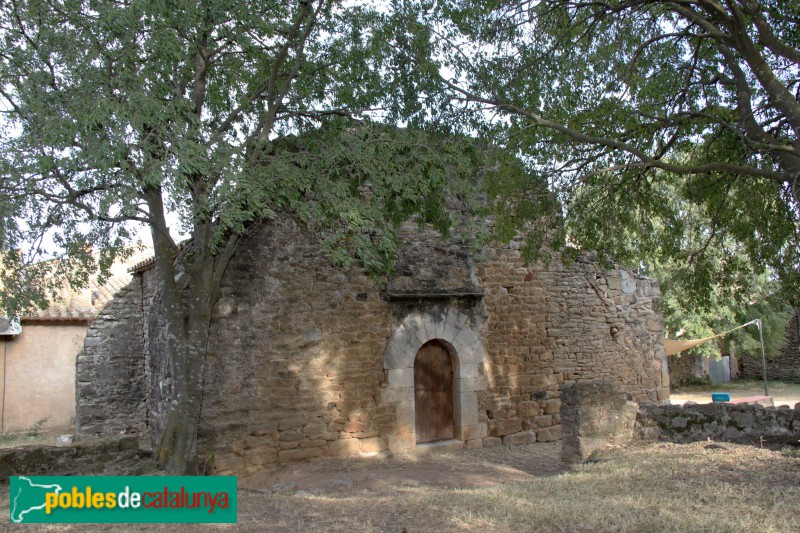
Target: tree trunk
x: 177, y: 449
x: 186, y: 320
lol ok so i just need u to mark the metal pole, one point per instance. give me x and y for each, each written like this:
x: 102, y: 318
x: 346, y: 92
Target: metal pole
x: 763, y: 356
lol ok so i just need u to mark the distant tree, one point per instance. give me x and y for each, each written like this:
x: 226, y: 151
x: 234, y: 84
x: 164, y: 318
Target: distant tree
x: 125, y: 111
x: 630, y: 108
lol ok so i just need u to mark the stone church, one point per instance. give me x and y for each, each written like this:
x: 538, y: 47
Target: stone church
x: 307, y: 360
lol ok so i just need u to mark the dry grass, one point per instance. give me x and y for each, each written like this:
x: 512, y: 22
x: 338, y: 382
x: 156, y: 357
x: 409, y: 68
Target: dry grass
x: 660, y: 487
x: 784, y: 393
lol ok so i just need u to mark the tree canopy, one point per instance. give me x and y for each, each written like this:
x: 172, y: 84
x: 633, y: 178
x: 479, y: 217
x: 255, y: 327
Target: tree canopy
x: 126, y: 111
x: 640, y: 113
x: 660, y: 130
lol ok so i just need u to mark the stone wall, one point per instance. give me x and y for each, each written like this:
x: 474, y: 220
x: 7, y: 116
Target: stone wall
x: 685, y: 369
x: 596, y: 415
x: 785, y: 366
x: 118, y: 456
x: 557, y: 324
x: 744, y: 423
x: 306, y: 360
x: 110, y: 378
x: 294, y: 368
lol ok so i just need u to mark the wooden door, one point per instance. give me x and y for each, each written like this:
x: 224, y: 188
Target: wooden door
x: 433, y: 393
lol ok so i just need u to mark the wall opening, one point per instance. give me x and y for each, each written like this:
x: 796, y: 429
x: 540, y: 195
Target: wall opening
x: 444, y: 328
x: 433, y: 393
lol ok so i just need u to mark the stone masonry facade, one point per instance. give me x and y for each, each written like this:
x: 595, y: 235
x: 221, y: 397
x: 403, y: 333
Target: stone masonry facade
x: 307, y: 360
x: 786, y: 365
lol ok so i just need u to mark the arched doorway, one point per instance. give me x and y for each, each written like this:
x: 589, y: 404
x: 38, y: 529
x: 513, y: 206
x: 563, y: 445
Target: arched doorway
x: 433, y: 392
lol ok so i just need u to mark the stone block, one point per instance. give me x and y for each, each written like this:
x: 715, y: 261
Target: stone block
x: 406, y: 417
x: 552, y: 407
x: 507, y: 427
x: 343, y: 447
x: 468, y: 371
x: 466, y: 409
x: 594, y: 416
x: 291, y: 436
x: 523, y: 437
x: 414, y: 330
x: 472, y: 432
x: 395, y: 394
x: 291, y: 423
x: 400, y: 377
x: 298, y: 454
x: 468, y: 347
x: 402, y: 441
x: 679, y: 422
x: 261, y: 456
x: 542, y: 421
x: 655, y: 324
x: 469, y: 384
x: 354, y: 427
x: 528, y: 409
x: 372, y: 445
x: 476, y: 444
x: 553, y: 433
x: 538, y: 380
x: 401, y: 351
x: 311, y: 430
x: 226, y: 463
x: 492, y: 442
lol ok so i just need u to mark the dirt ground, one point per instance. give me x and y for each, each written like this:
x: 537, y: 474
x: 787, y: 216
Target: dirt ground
x: 782, y: 393
x: 478, y: 468
x: 655, y: 487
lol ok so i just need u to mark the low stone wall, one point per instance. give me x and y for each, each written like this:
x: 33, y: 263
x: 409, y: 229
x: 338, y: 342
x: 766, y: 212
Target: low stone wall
x: 594, y: 416
x: 109, y: 456
x: 745, y: 423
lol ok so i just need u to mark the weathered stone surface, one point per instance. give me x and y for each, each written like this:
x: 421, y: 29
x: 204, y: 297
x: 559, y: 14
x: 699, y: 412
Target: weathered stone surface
x: 594, y: 416
x: 492, y: 442
x: 343, y: 447
x: 291, y: 436
x: 299, y: 454
x: 550, y: 434
x: 726, y: 422
x: 372, y: 445
x: 523, y: 437
x: 111, y: 384
x: 78, y: 458
x: 310, y: 357
x: 291, y: 423
x: 784, y: 365
x: 402, y: 441
x: 475, y: 431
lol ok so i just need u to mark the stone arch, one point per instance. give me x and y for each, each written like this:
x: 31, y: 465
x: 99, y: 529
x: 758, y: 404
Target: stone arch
x: 448, y: 325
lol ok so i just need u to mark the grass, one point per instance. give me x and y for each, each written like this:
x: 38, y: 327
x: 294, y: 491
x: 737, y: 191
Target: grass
x: 784, y: 393
x: 658, y: 487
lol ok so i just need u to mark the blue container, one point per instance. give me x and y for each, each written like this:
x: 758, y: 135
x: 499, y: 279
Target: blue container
x: 719, y: 397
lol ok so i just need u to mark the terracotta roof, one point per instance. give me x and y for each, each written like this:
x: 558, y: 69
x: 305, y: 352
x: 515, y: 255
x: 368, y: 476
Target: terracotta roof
x: 62, y: 313
x: 141, y: 266
x: 84, y: 305
x: 150, y: 262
